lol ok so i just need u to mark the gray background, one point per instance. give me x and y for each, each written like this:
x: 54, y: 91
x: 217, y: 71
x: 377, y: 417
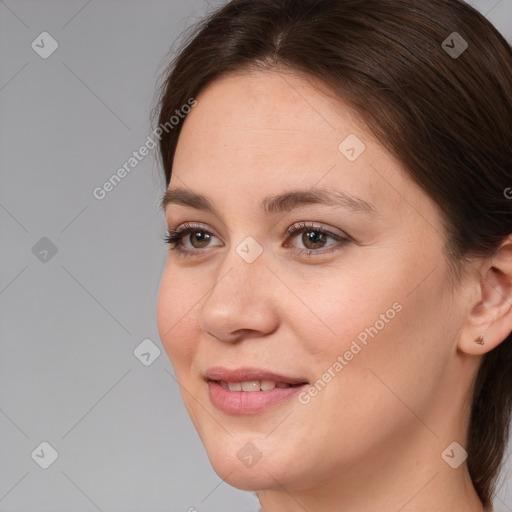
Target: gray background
x: 72, y: 320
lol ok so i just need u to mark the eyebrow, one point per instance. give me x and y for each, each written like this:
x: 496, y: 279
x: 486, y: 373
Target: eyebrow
x: 281, y: 203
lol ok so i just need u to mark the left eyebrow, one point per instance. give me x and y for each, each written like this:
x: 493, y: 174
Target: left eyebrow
x: 272, y: 205
x: 290, y: 200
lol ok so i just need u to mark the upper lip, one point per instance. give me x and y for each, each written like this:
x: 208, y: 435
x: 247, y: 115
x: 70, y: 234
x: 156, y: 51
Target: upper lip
x: 246, y: 374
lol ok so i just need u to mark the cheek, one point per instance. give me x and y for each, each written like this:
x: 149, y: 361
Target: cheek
x: 343, y: 311
x: 362, y: 328
x: 176, y: 317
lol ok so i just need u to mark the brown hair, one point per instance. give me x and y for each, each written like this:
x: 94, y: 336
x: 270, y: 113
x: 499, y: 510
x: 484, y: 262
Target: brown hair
x: 446, y: 117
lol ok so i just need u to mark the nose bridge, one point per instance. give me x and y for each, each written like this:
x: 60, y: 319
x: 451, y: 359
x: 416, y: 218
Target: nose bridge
x: 242, y: 274
x: 240, y: 299
x: 243, y: 266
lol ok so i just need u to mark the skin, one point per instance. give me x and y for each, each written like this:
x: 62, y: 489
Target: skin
x: 372, y: 439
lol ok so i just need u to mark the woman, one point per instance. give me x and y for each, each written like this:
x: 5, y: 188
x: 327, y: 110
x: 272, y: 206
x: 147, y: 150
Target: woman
x: 337, y: 299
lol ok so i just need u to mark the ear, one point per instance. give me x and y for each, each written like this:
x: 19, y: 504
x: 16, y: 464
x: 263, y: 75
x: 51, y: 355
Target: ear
x: 490, y: 314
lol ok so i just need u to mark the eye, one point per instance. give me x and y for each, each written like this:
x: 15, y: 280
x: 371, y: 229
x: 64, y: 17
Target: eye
x: 314, y: 237
x: 178, y: 238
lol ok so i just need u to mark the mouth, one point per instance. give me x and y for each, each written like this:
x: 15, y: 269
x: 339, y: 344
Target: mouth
x: 250, y: 386
x: 250, y: 390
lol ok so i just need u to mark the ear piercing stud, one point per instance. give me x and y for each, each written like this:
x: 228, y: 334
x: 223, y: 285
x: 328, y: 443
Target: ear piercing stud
x: 480, y: 340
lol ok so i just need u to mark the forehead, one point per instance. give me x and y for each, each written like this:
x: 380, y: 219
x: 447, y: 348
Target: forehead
x: 258, y: 134
x: 268, y: 124
x: 274, y: 101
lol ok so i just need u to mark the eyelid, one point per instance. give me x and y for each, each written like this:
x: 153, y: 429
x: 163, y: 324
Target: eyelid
x: 186, y: 228
x: 296, y: 226
x: 182, y: 231
x: 302, y: 225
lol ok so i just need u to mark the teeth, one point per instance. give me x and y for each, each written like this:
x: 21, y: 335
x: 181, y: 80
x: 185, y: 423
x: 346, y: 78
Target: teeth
x: 253, y: 385
x: 267, y: 385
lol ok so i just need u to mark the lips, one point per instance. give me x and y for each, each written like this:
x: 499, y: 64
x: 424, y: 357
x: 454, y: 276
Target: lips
x: 250, y: 386
x: 241, y: 375
x: 250, y: 390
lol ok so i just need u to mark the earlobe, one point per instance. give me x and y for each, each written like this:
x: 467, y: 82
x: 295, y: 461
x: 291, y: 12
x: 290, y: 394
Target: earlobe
x: 490, y: 318
x: 480, y: 340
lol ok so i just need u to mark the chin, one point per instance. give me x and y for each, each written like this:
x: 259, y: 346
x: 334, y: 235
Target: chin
x: 247, y: 479
x: 247, y: 465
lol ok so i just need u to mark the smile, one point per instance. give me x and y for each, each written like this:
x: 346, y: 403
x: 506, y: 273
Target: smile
x: 254, y: 385
x: 250, y: 390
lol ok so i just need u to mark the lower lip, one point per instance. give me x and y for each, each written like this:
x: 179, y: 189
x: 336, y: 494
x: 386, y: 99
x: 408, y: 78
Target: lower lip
x: 248, y: 402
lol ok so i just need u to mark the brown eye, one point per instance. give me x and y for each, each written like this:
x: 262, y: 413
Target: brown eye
x: 201, y: 240
x: 189, y: 239
x: 313, y: 239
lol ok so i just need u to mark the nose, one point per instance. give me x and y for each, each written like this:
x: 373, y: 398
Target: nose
x: 241, y: 302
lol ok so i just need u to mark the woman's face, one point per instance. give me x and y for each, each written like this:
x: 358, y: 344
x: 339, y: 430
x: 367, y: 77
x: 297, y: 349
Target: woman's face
x: 346, y: 299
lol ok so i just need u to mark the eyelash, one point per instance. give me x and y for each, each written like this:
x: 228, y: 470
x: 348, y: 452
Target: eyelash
x: 175, y: 238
